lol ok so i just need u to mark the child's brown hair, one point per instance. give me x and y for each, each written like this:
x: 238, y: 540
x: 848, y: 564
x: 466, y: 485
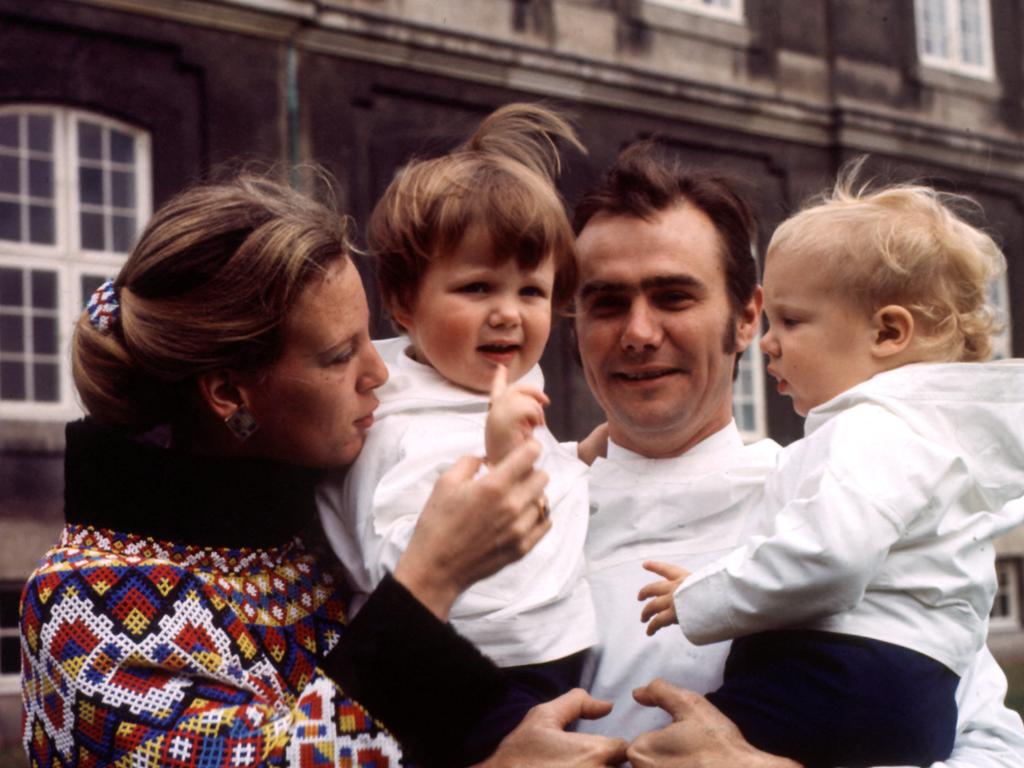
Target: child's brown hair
x: 502, y: 178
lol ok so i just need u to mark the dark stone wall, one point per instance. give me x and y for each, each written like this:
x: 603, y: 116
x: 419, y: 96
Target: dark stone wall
x: 211, y: 98
x: 207, y: 97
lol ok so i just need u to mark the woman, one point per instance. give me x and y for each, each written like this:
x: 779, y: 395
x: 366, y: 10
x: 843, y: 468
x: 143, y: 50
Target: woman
x: 180, y: 620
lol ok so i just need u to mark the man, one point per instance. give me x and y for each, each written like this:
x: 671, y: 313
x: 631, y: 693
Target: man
x: 668, y: 300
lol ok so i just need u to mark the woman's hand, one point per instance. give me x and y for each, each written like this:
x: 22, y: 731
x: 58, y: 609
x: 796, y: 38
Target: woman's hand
x: 472, y: 527
x: 699, y: 737
x: 514, y: 412
x: 541, y: 739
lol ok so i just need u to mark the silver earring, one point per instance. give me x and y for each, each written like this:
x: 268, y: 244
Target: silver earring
x: 242, y: 423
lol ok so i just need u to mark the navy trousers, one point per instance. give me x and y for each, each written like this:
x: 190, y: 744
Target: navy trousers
x: 826, y: 699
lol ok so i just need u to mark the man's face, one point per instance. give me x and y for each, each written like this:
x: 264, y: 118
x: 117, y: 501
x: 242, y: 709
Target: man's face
x: 657, y: 333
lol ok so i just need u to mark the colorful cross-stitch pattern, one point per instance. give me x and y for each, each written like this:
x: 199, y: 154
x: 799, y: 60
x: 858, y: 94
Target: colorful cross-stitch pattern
x: 141, y: 653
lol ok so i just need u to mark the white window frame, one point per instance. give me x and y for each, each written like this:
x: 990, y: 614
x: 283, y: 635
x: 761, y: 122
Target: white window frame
x: 11, y: 683
x: 66, y: 257
x: 753, y: 361
x: 999, y: 294
x: 1008, y: 574
x: 954, y: 61
x: 734, y: 12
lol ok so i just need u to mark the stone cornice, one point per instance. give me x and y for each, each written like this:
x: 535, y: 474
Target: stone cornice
x: 754, y: 108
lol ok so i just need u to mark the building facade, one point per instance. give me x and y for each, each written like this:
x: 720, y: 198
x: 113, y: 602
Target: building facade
x: 109, y: 107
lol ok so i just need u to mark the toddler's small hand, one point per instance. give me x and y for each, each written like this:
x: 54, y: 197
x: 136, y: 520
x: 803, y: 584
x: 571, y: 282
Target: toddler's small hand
x: 515, y: 411
x: 661, y: 610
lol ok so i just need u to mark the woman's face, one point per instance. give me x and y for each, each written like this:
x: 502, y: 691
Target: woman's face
x: 315, y: 404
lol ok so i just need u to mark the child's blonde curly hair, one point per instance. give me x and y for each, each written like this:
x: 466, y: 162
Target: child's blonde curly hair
x: 906, y: 244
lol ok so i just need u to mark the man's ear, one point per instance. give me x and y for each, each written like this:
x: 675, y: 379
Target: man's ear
x: 893, y: 330
x: 749, y: 320
x: 221, y: 393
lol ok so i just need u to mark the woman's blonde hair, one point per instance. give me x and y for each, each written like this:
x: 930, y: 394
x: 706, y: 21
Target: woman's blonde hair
x: 906, y: 244
x: 503, y: 179
x: 209, y: 286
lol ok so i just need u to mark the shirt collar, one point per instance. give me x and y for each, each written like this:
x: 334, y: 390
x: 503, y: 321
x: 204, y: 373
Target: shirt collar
x: 728, y: 438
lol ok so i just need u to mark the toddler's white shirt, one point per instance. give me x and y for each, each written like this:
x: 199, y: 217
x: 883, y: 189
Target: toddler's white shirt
x: 879, y: 523
x: 535, y: 610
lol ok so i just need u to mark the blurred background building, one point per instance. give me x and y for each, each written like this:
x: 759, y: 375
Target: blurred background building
x: 109, y: 107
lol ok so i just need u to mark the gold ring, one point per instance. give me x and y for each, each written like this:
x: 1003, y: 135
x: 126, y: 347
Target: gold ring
x: 543, y: 508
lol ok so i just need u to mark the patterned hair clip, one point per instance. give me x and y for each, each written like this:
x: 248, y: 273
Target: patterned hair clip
x: 103, y: 308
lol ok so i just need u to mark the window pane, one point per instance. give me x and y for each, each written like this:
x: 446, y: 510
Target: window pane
x: 10, y: 288
x: 90, y: 140
x: 10, y: 221
x: 748, y: 418
x: 92, y: 231
x: 9, y: 131
x: 10, y: 174
x: 44, y: 336
x: 40, y: 178
x: 970, y: 32
x: 124, y: 233
x: 122, y: 189
x: 935, y: 25
x: 10, y: 655
x: 44, y: 289
x: 12, y: 381
x: 40, y: 133
x: 1000, y: 606
x: 90, y: 185
x: 88, y: 285
x: 46, y: 387
x: 122, y: 147
x: 746, y: 378
x: 12, y: 333
x: 41, y: 225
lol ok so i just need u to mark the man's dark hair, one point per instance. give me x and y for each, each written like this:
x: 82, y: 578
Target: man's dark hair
x: 647, y: 179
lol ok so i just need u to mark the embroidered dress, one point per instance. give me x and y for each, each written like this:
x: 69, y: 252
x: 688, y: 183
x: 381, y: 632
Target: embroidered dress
x: 180, y: 621
x: 149, y: 653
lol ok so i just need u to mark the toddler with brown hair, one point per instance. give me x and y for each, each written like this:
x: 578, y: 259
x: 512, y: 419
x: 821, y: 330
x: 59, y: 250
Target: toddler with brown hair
x: 473, y: 250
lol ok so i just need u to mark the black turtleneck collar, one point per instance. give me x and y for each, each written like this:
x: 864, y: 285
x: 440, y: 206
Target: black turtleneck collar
x: 112, y: 481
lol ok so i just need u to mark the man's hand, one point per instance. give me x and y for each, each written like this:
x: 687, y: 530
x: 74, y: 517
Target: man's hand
x: 699, y: 737
x: 661, y: 610
x: 541, y: 740
x: 514, y: 412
